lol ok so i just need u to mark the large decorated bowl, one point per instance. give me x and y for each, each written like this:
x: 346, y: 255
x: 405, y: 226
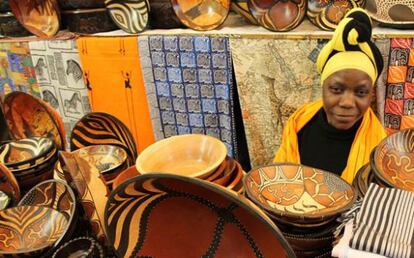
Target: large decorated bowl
x: 279, y: 15
x: 169, y: 216
x: 30, y: 230
x: 201, y: 15
x: 131, y: 16
x: 393, y: 160
x: 299, y: 193
x: 396, y: 14
x: 193, y: 155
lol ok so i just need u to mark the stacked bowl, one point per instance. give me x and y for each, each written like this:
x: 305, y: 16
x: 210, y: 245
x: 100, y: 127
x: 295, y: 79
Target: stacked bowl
x: 304, y: 203
x: 31, y: 160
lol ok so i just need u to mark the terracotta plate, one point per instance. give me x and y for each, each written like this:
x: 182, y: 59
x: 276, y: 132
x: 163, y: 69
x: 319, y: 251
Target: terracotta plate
x: 201, y: 15
x: 299, y: 192
x: 37, y: 120
x: 41, y: 18
x: 130, y: 16
x: 155, y: 216
x: 278, y: 15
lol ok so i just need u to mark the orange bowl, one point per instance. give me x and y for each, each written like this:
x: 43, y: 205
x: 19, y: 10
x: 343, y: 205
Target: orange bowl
x: 193, y: 155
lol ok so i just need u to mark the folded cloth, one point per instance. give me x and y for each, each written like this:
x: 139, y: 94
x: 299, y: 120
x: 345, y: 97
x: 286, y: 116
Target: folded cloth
x: 342, y: 249
x: 385, y: 223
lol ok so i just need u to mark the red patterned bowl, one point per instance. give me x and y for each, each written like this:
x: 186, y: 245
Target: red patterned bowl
x: 278, y: 15
x: 201, y: 15
x: 393, y: 160
x: 299, y: 193
x: 156, y: 215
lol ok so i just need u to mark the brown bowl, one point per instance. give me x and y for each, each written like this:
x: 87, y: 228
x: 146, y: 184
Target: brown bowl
x: 237, y: 180
x: 125, y: 175
x: 193, y: 155
x: 42, y: 18
x: 26, y: 153
x: 131, y: 16
x: 88, y: 21
x: 327, y: 14
x: 227, y: 174
x: 299, y: 193
x: 201, y: 15
x: 80, y: 247
x: 162, y: 15
x: 32, y: 230
x: 392, y: 158
x: 11, y: 27
x: 37, y: 120
x: 278, y: 15
x: 393, y: 14
x: 101, y: 128
x: 155, y: 216
x: 220, y: 171
x: 9, y: 185
x: 81, y: 4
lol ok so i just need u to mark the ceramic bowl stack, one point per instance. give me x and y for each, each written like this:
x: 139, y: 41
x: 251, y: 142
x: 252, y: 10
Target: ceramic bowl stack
x: 30, y: 160
x: 304, y: 203
x: 192, y: 155
x: 9, y: 25
x: 86, y: 16
x: 392, y: 160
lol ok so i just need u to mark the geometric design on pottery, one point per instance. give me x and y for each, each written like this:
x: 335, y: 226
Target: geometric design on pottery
x: 131, y: 16
x: 298, y: 190
x: 30, y: 229
x: 99, y: 129
x: 201, y: 15
x: 394, y: 158
x: 155, y: 216
x: 278, y: 15
x: 326, y: 14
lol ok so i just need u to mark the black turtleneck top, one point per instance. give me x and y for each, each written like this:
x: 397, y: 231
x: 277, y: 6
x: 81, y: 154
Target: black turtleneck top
x: 323, y: 146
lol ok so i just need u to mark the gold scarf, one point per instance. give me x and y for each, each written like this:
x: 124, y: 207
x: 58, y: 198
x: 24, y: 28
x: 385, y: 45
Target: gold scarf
x: 369, y: 134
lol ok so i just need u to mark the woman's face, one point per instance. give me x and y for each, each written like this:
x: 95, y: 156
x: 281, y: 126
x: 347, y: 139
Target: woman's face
x: 346, y: 96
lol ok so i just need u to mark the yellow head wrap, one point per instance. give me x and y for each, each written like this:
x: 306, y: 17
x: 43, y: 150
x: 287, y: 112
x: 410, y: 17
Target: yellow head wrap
x: 351, y: 48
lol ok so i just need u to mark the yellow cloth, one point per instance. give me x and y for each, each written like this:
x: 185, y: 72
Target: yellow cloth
x: 369, y: 134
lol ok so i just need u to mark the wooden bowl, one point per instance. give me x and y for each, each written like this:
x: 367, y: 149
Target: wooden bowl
x: 37, y: 120
x: 280, y: 15
x: 80, y: 247
x: 81, y: 4
x: 162, y: 15
x: 42, y: 18
x: 131, y: 16
x: 227, y: 174
x: 193, y: 155
x: 201, y: 15
x: 9, y: 185
x: 155, y: 216
x: 391, y: 13
x: 100, y: 129
x: 299, y: 193
x: 327, y: 14
x: 11, y: 27
x: 393, y: 158
x: 32, y: 230
x: 241, y: 7
x: 88, y: 21
x: 220, y: 171
x: 125, y: 175
x: 237, y: 179
x: 26, y: 153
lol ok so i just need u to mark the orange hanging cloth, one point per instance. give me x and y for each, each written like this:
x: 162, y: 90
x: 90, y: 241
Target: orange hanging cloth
x: 369, y: 134
x: 113, y: 75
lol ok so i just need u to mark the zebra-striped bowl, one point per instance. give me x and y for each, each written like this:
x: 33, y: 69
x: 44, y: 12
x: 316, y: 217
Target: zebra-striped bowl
x: 130, y: 16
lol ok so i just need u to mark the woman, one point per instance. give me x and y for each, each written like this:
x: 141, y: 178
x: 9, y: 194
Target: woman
x: 338, y: 132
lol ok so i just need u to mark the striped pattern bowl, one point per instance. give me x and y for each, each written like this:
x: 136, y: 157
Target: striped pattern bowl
x: 131, y: 15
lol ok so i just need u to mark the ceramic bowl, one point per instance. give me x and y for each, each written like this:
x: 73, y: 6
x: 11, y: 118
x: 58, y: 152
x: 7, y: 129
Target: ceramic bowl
x: 26, y: 153
x: 278, y: 15
x: 9, y: 185
x: 88, y: 21
x: 241, y: 7
x: 226, y: 174
x: 131, y: 16
x: 162, y: 15
x: 125, y: 175
x: 393, y: 159
x: 101, y: 128
x: 11, y: 27
x: 299, y: 193
x: 90, y: 189
x: 155, y: 216
x: 193, y: 155
x: 391, y: 13
x: 201, y: 15
x: 42, y: 18
x: 327, y: 14
x: 221, y: 171
x: 32, y: 230
x: 37, y: 120
x: 80, y: 247
x: 81, y: 4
